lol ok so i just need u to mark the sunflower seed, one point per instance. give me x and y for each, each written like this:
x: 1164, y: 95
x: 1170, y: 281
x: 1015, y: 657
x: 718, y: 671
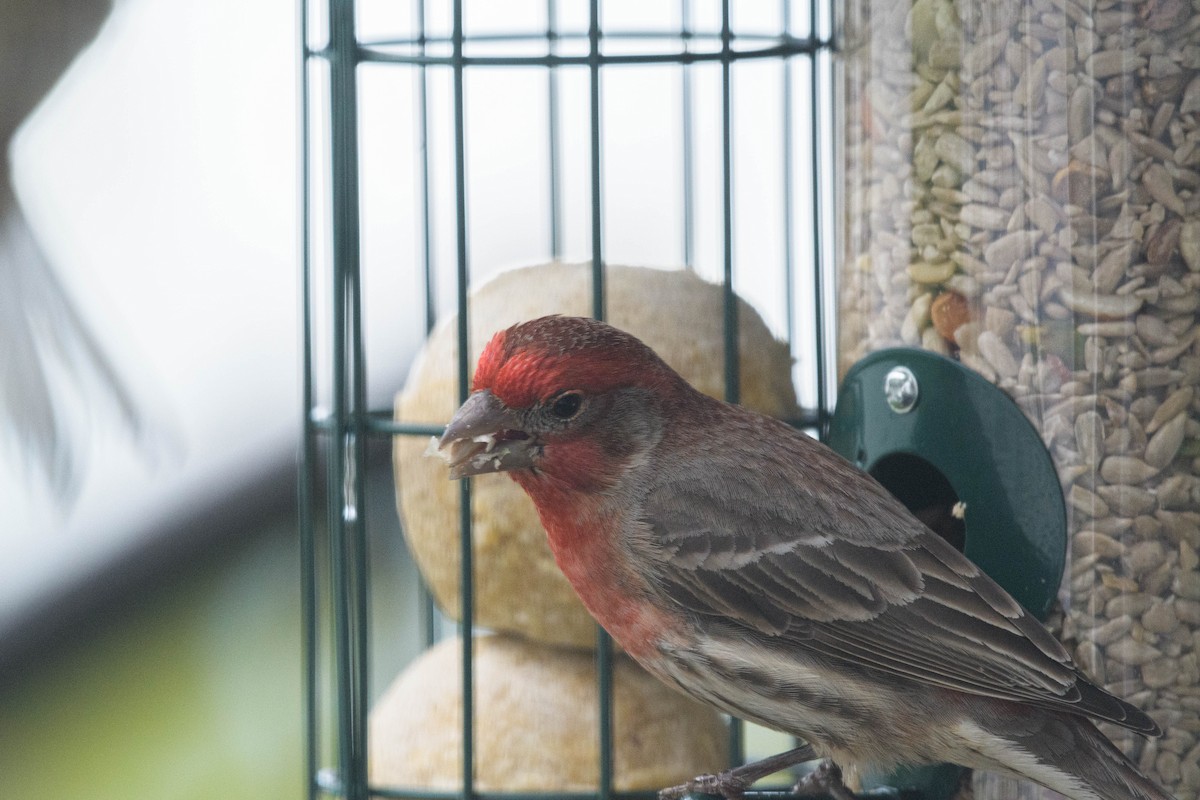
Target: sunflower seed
x: 1165, y: 443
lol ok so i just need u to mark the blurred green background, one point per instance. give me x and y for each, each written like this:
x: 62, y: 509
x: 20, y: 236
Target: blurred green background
x: 189, y: 685
x: 189, y: 688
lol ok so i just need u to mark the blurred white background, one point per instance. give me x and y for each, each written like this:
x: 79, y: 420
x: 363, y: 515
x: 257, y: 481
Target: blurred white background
x: 160, y: 179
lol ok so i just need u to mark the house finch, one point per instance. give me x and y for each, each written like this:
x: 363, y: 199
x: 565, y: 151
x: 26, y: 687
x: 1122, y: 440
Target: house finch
x: 751, y: 567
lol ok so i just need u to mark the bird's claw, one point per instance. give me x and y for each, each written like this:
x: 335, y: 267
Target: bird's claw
x: 824, y: 781
x: 726, y: 784
x: 733, y: 783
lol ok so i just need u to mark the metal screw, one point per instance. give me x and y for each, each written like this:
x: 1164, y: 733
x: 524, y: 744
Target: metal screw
x: 901, y: 389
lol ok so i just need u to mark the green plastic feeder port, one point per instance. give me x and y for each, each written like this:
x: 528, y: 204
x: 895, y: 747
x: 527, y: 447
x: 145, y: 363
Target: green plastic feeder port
x: 938, y: 435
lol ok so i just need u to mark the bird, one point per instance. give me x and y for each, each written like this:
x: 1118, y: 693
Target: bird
x: 746, y: 564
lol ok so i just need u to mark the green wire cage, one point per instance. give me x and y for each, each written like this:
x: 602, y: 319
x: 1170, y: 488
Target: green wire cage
x: 987, y: 370
x: 709, y: 53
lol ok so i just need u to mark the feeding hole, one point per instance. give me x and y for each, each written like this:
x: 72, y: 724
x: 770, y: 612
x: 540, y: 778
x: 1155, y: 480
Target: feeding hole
x: 924, y: 490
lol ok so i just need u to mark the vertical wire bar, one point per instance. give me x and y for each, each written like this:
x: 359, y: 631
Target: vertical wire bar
x: 425, y: 596
x: 732, y: 383
x: 819, y: 317
x: 334, y: 489
x: 308, y: 456
x: 604, y: 657
x: 788, y: 145
x: 689, y: 187
x: 345, y: 441
x: 356, y: 504
x: 552, y: 97
x: 467, y: 565
x: 428, y: 284
x: 597, y: 231
x: 729, y: 299
x: 604, y: 670
x: 789, y: 238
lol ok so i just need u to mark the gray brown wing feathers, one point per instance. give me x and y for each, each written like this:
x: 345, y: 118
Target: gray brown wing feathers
x: 806, y: 548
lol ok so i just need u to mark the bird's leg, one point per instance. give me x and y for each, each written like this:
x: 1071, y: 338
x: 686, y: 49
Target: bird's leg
x: 825, y: 780
x: 732, y: 783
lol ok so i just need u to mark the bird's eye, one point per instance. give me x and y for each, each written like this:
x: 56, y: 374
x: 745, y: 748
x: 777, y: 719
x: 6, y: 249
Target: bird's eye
x: 566, y: 405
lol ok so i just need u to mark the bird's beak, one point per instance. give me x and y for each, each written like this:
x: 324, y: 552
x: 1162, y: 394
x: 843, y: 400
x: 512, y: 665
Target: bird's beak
x: 484, y: 436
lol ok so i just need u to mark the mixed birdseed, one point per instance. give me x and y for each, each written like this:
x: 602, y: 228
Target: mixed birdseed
x: 1023, y: 194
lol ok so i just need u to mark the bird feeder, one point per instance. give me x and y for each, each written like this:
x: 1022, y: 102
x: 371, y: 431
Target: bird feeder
x: 443, y: 142
x: 1021, y: 217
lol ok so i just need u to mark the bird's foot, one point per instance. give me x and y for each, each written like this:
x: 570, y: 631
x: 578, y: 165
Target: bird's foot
x: 725, y: 784
x: 824, y: 781
x: 733, y: 783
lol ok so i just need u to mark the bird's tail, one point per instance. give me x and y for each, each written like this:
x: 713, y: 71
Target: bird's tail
x: 1111, y: 771
x: 1070, y: 755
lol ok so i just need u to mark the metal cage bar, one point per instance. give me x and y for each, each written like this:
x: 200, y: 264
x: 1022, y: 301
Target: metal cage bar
x: 604, y: 652
x: 772, y: 47
x: 686, y: 135
x: 428, y: 285
x: 333, y: 455
x: 552, y: 125
x: 306, y: 494
x: 820, y: 322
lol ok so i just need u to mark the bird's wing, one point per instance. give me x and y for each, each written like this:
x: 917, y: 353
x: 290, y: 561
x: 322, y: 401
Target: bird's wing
x: 805, y: 549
